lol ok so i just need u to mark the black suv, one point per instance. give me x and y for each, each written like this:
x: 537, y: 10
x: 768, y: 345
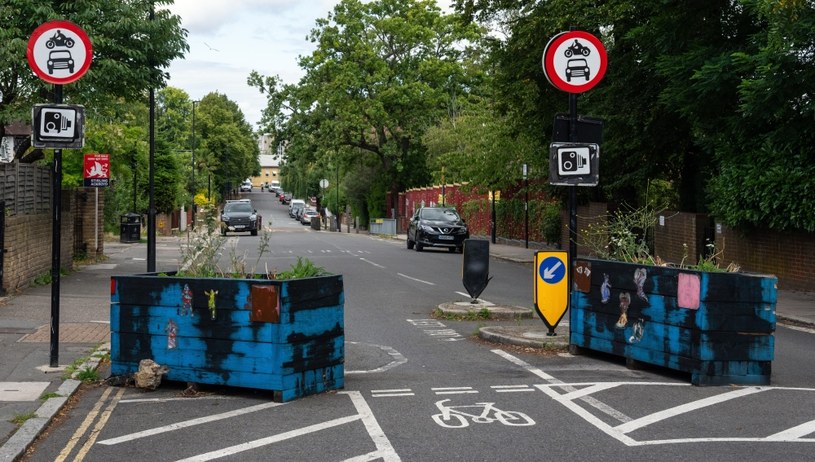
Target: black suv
x: 437, y: 227
x: 240, y: 216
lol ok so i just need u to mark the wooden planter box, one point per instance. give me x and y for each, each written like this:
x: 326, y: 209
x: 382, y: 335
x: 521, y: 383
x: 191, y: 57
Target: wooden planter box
x: 716, y: 326
x: 280, y: 335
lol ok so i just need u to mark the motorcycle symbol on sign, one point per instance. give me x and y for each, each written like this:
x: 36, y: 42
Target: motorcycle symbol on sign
x: 576, y: 48
x: 456, y: 417
x: 59, y: 39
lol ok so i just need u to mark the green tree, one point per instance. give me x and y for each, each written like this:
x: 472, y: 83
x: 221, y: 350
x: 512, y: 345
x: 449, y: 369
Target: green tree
x: 129, y: 53
x: 382, y: 73
x: 226, y: 145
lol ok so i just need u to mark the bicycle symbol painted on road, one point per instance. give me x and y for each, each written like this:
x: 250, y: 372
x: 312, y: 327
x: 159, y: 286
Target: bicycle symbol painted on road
x: 457, y: 417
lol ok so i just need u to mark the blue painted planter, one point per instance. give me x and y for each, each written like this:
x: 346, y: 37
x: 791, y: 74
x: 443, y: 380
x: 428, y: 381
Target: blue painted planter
x: 716, y: 326
x: 286, y: 336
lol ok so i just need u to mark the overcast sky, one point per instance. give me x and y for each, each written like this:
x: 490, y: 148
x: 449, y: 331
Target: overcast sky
x: 230, y: 38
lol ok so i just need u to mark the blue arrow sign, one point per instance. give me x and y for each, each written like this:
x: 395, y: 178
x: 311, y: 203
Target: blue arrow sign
x: 552, y: 270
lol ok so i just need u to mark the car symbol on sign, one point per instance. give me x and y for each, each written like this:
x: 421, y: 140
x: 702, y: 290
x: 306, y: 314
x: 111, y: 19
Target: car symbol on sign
x: 577, y: 67
x: 60, y: 59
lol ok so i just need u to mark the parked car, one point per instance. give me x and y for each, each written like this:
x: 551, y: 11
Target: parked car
x: 246, y: 186
x: 295, y: 207
x: 240, y: 216
x: 437, y: 227
x: 307, y: 215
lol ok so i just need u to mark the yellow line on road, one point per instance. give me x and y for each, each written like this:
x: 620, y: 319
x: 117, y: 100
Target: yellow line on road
x: 103, y: 420
x: 83, y: 427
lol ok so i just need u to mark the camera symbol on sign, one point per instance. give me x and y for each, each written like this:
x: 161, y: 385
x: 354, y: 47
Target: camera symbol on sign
x: 574, y: 161
x: 57, y: 123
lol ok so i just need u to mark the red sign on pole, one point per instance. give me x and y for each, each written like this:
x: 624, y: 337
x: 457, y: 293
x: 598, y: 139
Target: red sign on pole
x: 574, y: 61
x: 59, y: 52
x: 97, y: 170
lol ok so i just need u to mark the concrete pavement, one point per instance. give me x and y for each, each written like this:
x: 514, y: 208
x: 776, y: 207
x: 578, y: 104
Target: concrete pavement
x: 25, y: 347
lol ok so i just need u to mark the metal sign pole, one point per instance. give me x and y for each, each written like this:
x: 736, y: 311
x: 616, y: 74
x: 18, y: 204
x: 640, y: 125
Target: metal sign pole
x: 56, y: 224
x: 573, y: 189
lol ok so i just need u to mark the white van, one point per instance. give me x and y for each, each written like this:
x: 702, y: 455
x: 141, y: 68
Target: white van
x: 295, y: 206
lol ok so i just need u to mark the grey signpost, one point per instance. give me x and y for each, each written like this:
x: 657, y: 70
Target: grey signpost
x: 59, y: 52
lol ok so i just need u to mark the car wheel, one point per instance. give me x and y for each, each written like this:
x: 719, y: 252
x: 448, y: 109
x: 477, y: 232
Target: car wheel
x: 254, y: 232
x: 409, y: 244
x: 223, y: 231
x: 460, y: 249
x: 452, y: 249
x: 419, y: 247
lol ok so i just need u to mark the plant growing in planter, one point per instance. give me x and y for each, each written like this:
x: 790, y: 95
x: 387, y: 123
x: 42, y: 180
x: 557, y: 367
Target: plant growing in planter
x: 716, y: 325
x: 272, y: 332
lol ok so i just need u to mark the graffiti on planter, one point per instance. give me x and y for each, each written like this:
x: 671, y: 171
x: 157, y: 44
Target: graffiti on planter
x: 640, y: 274
x: 636, y: 336
x: 625, y: 301
x: 172, y: 332
x: 688, y: 291
x: 186, y: 301
x: 605, y: 289
x: 211, y: 302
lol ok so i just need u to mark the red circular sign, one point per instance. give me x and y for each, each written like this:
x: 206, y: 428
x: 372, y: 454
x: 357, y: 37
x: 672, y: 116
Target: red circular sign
x: 59, y: 52
x: 574, y: 61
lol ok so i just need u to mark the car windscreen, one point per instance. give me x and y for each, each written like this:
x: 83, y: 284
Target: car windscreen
x: 238, y: 208
x: 439, y: 214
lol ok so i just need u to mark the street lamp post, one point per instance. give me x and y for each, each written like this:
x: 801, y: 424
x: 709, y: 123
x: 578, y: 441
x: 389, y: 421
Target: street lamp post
x: 526, y: 207
x: 193, y: 164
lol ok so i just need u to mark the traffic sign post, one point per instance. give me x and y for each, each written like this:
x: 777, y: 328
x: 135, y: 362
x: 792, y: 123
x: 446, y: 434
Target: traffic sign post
x: 551, y: 287
x: 59, y: 52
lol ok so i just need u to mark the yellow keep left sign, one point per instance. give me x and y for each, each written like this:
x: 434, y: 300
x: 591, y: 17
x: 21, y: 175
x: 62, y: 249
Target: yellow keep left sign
x: 551, y: 286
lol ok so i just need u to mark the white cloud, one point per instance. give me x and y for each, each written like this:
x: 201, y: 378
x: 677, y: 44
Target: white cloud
x: 230, y: 38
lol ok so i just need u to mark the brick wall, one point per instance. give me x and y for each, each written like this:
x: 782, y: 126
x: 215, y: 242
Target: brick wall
x: 786, y: 255
x: 28, y: 245
x: 674, y: 231
x: 595, y: 213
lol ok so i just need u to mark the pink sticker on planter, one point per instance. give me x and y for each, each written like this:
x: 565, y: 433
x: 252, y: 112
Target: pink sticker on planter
x: 687, y: 293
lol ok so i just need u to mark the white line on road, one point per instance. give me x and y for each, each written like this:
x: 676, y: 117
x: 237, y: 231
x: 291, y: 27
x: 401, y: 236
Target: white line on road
x: 794, y: 433
x: 384, y: 448
x: 392, y: 393
x: 600, y: 406
x: 189, y: 423
x: 632, y: 425
x: 398, y: 359
x: 249, y: 445
x: 372, y: 263
x: 453, y: 390
x: 417, y: 280
x: 511, y: 388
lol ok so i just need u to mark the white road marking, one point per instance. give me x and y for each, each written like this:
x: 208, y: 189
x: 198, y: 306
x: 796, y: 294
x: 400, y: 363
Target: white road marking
x: 392, y: 393
x: 249, y: 445
x: 398, y: 359
x: 453, y: 390
x: 794, y: 433
x: 189, y: 423
x: 600, y: 406
x: 372, y: 263
x: 798, y: 328
x: 511, y: 388
x: 644, y: 421
x: 414, y: 279
x: 384, y: 448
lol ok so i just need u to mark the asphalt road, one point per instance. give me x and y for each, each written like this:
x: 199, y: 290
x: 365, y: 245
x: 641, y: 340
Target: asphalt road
x: 419, y: 388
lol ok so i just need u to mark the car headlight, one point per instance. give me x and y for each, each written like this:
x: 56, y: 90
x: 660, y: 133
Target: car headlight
x: 253, y: 217
x: 224, y: 218
x: 427, y: 229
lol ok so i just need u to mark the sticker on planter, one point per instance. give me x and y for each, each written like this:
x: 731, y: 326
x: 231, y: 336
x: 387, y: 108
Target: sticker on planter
x: 211, y: 302
x: 625, y: 301
x: 186, y: 301
x: 640, y: 274
x: 605, y: 289
x: 172, y: 332
x: 636, y: 335
x: 687, y: 292
x: 582, y: 276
